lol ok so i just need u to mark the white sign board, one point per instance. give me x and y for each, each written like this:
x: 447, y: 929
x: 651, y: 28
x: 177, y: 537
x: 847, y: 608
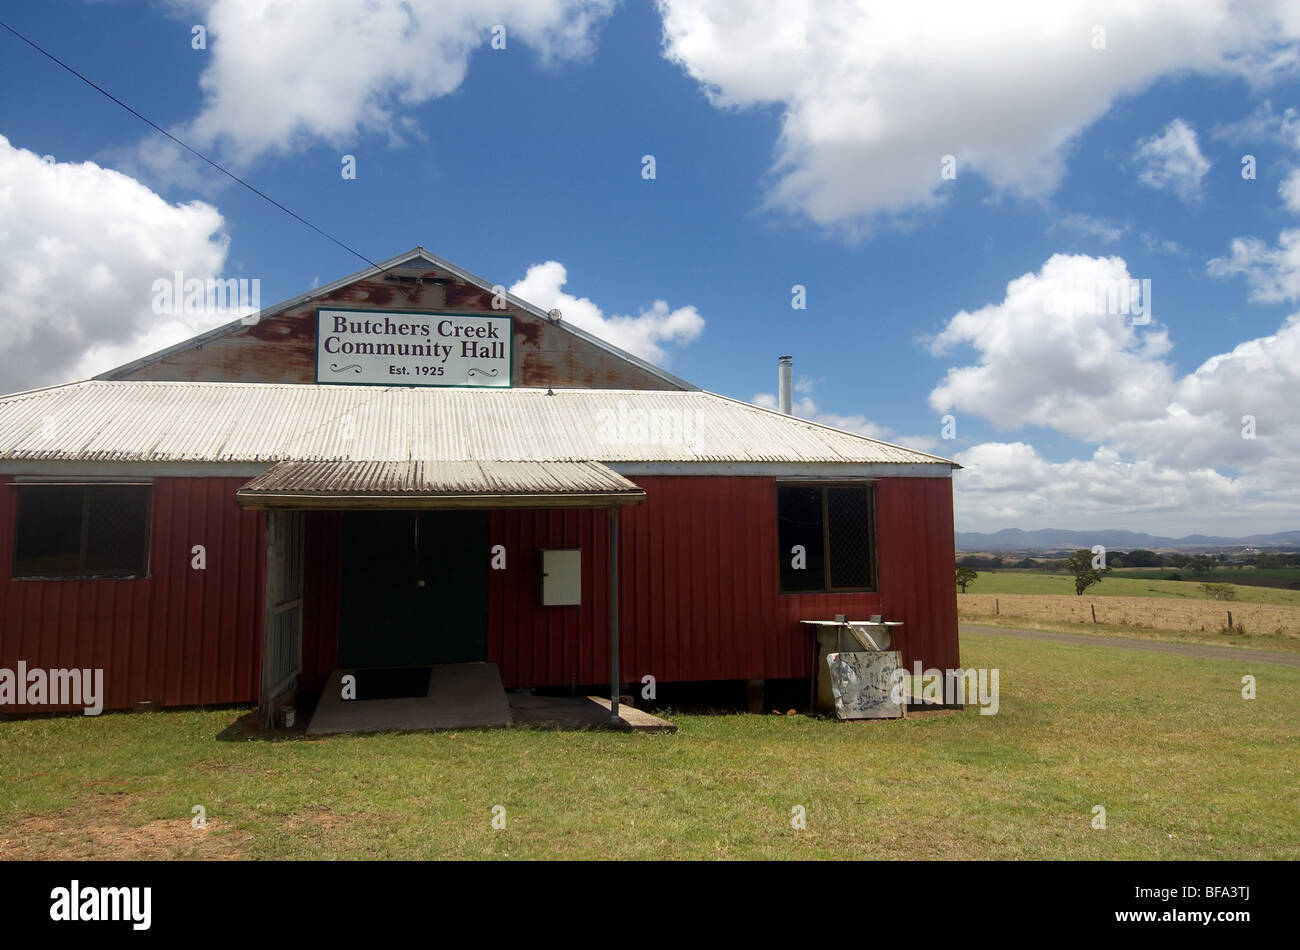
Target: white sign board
x: 373, y: 348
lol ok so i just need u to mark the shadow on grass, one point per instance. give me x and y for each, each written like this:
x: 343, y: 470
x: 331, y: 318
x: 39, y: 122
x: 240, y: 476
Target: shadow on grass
x: 247, y: 729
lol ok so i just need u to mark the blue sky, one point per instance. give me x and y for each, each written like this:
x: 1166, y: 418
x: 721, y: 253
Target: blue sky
x: 794, y: 144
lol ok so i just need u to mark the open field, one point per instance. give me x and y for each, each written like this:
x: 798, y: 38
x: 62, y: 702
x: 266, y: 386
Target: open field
x: 1264, y: 626
x: 1281, y: 577
x: 1184, y: 766
x: 1122, y: 584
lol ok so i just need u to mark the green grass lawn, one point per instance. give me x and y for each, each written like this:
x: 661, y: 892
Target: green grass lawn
x: 1255, y: 576
x: 1184, y: 767
x: 1120, y: 584
x: 1214, y: 638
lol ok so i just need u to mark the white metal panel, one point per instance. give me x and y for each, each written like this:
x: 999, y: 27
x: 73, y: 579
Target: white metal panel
x: 561, y: 577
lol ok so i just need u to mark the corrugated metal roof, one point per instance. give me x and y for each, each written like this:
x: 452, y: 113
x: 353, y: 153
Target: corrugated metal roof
x: 389, y: 484
x: 137, y: 420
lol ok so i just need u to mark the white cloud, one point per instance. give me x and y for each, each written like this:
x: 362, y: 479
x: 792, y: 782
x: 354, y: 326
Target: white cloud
x: 804, y: 384
x: 1273, y: 273
x: 1056, y: 353
x: 1008, y: 484
x: 875, y: 94
x: 1158, y: 245
x: 1167, y: 447
x: 80, y: 248
x: 1202, y: 424
x: 287, y: 74
x: 1172, y: 161
x: 1290, y: 191
x: 164, y: 165
x: 644, y: 335
x: 1264, y: 126
x: 1089, y: 226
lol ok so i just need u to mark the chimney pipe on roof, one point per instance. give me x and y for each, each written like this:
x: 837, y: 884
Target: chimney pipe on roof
x: 784, y: 386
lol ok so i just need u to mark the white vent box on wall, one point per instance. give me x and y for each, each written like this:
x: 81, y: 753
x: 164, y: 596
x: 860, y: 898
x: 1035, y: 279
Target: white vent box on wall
x: 561, y: 577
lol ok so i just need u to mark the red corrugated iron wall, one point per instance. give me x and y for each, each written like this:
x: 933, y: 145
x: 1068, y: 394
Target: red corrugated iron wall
x: 917, y: 557
x: 698, y: 593
x: 698, y: 590
x: 179, y: 636
x: 548, y: 646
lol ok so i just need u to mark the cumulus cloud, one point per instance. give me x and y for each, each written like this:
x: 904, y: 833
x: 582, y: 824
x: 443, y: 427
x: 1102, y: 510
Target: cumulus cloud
x: 645, y: 335
x: 1223, y: 438
x: 1251, y: 387
x: 1215, y: 448
x: 1064, y: 349
x: 80, y: 248
x: 1272, y: 273
x: 874, y: 95
x: 1172, y: 161
x: 287, y: 74
x: 1003, y: 484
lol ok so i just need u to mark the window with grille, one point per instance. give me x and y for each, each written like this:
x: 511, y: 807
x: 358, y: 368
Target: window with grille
x: 826, y: 537
x: 82, y: 531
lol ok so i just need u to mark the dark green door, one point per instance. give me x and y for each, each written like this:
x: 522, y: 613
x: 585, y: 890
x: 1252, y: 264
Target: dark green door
x: 387, y: 617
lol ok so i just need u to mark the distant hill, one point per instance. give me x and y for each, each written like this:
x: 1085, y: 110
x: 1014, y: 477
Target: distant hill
x: 1055, y: 539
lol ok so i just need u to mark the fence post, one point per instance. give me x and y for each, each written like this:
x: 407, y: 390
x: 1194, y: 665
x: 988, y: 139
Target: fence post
x: 1094, y: 612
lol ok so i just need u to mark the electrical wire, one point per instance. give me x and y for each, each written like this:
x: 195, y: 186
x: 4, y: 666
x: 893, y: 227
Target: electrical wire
x: 157, y: 128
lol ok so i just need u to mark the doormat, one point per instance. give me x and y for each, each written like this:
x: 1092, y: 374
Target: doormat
x: 393, y: 682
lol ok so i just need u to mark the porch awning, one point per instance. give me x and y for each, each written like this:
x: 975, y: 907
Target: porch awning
x: 421, y: 484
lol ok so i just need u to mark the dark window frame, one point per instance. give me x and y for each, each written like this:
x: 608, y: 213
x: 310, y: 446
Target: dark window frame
x: 869, y: 489
x: 82, y: 572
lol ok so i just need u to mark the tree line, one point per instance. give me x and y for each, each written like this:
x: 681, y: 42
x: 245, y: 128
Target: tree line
x: 1089, y: 567
x: 1197, y: 563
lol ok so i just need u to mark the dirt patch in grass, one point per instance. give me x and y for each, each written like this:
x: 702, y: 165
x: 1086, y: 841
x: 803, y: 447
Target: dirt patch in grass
x: 102, y: 830
x: 317, y: 816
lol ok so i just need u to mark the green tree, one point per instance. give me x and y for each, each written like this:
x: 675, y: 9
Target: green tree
x: 1201, y: 565
x: 966, y: 575
x: 1085, y: 575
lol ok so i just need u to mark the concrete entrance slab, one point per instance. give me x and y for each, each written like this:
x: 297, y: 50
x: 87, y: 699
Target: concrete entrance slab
x: 581, y: 712
x: 460, y: 696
